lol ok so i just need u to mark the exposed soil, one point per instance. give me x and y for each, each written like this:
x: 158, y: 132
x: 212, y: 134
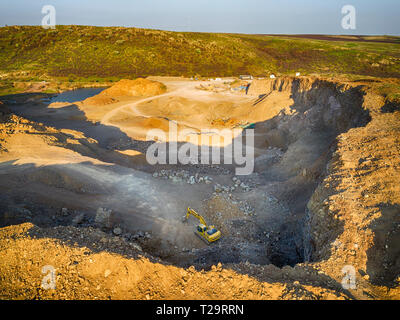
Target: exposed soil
x: 77, y: 193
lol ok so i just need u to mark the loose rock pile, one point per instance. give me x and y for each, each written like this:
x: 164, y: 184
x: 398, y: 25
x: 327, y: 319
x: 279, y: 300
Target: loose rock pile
x: 111, y: 234
x: 237, y: 185
x: 182, y: 176
x: 103, y: 217
x: 246, y: 208
x: 272, y: 156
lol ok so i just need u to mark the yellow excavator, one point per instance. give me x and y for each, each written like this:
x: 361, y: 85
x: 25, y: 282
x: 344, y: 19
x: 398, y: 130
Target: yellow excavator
x: 206, y: 233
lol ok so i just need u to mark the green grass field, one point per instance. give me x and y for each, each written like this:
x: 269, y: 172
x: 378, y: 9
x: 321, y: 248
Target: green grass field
x: 81, y: 53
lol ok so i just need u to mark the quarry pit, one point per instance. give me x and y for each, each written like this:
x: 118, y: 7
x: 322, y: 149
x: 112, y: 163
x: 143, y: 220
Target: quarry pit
x: 83, y: 166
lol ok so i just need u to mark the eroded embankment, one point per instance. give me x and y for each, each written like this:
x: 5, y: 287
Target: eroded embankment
x: 353, y: 215
x: 344, y: 139
x: 305, y: 133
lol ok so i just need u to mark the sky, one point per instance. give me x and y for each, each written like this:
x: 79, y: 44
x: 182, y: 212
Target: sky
x: 232, y: 16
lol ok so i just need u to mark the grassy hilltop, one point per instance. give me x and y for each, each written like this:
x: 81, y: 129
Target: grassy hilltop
x: 74, y: 53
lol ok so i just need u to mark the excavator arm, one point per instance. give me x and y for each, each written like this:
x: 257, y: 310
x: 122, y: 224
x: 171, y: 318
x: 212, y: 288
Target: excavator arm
x: 207, y: 233
x: 196, y: 215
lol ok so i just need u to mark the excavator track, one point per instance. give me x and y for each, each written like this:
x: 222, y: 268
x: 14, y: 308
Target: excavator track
x: 202, y: 238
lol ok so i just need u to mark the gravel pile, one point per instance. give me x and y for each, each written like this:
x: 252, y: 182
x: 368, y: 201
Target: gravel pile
x: 182, y: 176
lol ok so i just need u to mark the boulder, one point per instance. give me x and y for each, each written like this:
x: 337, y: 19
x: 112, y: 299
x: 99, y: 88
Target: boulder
x: 117, y: 231
x: 103, y: 217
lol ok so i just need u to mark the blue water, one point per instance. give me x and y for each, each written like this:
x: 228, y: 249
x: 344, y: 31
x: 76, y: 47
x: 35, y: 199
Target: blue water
x: 76, y: 95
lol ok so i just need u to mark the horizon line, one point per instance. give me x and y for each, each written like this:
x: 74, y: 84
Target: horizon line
x: 212, y: 32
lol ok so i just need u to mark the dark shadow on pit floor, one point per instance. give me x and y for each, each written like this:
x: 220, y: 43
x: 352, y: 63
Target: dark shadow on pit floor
x: 383, y: 264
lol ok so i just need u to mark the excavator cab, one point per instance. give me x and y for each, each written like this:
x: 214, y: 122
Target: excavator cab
x: 206, y: 233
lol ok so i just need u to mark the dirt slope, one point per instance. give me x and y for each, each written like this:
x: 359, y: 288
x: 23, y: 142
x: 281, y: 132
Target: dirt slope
x: 84, y: 274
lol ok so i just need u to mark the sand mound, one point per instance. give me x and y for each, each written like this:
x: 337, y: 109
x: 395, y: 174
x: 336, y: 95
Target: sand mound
x: 138, y: 87
x: 196, y: 113
x: 99, y: 100
x: 59, y: 104
x: 126, y: 88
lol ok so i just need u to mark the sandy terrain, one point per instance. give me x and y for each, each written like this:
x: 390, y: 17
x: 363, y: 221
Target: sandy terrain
x: 312, y: 205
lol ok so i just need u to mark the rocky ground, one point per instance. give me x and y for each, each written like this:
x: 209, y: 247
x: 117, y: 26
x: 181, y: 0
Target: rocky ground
x: 324, y: 198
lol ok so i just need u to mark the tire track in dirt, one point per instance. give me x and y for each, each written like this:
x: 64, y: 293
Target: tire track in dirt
x: 109, y: 115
